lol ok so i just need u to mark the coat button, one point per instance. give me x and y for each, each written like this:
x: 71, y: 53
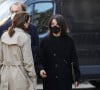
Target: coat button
x: 54, y: 54
x: 56, y: 77
x: 56, y: 65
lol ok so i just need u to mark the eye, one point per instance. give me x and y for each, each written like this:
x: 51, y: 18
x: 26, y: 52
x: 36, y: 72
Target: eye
x: 52, y: 24
x: 14, y: 11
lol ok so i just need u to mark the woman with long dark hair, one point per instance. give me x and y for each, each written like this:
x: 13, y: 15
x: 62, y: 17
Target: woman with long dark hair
x: 57, y: 55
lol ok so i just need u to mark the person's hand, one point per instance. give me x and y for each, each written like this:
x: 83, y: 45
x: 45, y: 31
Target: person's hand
x: 43, y: 74
x: 76, y: 84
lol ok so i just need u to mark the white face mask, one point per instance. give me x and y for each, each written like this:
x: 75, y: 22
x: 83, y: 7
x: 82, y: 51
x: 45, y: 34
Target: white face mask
x: 12, y: 16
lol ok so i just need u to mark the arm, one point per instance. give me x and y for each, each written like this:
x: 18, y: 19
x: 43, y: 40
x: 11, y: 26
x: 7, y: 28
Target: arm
x: 1, y: 57
x: 28, y: 59
x: 40, y: 62
x: 32, y: 30
x: 5, y: 27
x: 75, y: 63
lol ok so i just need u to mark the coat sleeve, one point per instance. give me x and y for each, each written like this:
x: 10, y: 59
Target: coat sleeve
x: 75, y: 63
x: 5, y: 27
x: 1, y: 57
x: 28, y: 59
x: 40, y: 59
x: 32, y: 30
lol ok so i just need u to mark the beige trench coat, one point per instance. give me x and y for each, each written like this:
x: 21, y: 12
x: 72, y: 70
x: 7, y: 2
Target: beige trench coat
x: 16, y: 62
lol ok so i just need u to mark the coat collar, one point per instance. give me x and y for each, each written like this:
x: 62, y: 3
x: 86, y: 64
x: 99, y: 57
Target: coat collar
x: 18, y: 30
x: 15, y: 38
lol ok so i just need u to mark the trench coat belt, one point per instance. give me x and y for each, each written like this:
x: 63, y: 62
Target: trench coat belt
x: 12, y: 63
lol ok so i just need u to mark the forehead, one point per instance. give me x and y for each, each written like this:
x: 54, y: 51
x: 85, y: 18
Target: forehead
x: 16, y: 7
x: 54, y: 21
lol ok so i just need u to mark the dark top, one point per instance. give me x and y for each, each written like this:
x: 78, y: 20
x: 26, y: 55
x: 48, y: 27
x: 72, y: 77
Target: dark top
x: 56, y: 55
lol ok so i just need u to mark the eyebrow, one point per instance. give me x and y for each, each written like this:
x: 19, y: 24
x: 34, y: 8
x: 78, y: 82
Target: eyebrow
x: 13, y: 11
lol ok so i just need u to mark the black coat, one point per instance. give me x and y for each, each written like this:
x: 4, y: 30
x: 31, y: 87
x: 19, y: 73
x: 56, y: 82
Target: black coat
x: 55, y: 56
x: 32, y: 30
